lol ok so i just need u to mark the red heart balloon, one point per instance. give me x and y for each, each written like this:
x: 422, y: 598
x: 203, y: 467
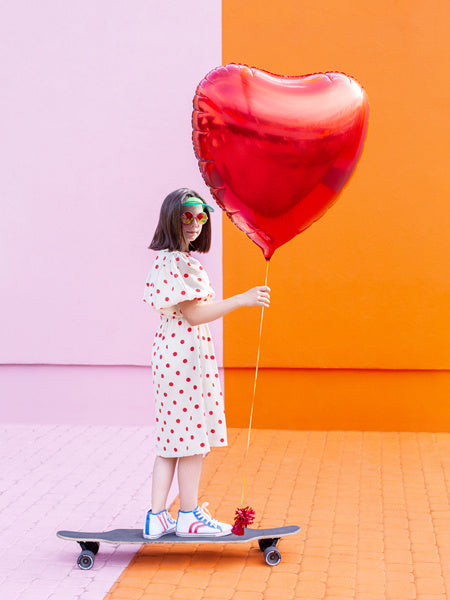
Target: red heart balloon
x: 274, y: 150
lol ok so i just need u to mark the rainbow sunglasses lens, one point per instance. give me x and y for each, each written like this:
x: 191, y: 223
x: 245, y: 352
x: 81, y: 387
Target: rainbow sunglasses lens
x: 187, y: 218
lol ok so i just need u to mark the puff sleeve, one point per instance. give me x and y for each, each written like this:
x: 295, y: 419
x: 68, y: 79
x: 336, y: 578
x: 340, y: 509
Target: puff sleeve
x: 176, y: 277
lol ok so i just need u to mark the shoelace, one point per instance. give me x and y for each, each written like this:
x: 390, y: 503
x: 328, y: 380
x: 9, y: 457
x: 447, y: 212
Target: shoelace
x: 207, y: 514
x: 170, y: 520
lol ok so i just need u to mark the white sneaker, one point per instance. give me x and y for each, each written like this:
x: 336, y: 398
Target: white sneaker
x: 158, y: 524
x: 199, y: 522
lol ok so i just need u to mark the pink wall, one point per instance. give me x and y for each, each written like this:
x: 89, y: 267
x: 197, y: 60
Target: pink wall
x: 95, y: 111
x: 77, y: 395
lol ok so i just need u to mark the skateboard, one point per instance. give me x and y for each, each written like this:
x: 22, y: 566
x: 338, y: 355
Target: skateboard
x: 90, y: 542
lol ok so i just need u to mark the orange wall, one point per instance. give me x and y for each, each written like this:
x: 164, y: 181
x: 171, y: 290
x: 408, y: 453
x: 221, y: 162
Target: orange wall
x: 340, y: 399
x: 366, y: 287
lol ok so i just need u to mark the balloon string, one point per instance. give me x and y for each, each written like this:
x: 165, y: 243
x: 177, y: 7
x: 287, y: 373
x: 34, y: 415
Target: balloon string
x: 254, y: 392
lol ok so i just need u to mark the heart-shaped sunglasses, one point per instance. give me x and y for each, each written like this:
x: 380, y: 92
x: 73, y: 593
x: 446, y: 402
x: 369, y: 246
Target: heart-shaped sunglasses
x: 187, y: 217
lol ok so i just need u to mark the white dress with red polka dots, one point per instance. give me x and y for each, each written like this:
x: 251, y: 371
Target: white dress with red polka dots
x: 189, y: 402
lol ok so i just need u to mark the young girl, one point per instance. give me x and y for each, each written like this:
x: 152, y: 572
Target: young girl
x: 190, y: 415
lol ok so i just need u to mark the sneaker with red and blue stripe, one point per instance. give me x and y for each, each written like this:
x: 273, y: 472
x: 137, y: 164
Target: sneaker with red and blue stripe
x: 199, y: 522
x: 158, y: 524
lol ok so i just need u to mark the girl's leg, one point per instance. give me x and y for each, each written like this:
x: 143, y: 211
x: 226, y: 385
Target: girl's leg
x: 163, y: 471
x: 194, y: 521
x: 189, y: 471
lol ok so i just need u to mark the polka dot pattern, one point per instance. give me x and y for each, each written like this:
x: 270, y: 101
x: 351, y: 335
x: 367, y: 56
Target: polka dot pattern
x: 190, y: 415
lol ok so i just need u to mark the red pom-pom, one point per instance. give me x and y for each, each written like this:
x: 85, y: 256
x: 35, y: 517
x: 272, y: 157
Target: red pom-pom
x: 243, y: 517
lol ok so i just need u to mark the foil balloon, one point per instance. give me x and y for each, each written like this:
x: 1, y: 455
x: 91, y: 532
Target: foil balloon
x: 274, y: 150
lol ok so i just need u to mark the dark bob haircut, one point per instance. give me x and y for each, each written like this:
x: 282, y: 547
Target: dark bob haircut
x: 169, y: 232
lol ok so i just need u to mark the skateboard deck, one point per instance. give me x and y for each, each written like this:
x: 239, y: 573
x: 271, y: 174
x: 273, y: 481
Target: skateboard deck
x: 90, y: 541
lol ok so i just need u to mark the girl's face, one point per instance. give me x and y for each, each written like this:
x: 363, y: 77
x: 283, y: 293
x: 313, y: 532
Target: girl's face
x: 191, y: 230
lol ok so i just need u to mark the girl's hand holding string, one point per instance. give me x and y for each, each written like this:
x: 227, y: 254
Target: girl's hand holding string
x: 257, y: 296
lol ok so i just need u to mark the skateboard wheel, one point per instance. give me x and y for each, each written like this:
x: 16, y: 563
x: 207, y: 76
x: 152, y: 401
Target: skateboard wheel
x: 272, y: 556
x: 86, y: 560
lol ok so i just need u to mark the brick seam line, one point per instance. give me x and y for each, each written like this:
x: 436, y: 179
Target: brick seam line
x: 382, y: 483
x: 399, y: 444
x: 257, y: 468
x: 319, y: 462
x: 420, y: 469
x: 359, y: 483
x: 338, y: 479
x: 300, y: 460
x: 365, y: 461
x: 442, y: 452
x: 333, y: 450
x: 287, y: 443
x: 422, y: 455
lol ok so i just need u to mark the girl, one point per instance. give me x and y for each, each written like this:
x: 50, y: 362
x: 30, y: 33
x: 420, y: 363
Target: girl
x: 189, y: 402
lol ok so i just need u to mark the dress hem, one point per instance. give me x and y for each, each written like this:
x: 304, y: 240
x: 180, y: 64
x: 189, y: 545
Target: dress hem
x: 181, y: 455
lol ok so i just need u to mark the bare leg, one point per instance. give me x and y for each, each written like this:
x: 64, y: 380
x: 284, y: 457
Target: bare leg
x: 189, y: 471
x: 163, y: 471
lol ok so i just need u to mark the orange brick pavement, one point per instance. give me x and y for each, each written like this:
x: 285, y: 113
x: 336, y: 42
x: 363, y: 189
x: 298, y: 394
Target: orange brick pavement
x: 374, y: 512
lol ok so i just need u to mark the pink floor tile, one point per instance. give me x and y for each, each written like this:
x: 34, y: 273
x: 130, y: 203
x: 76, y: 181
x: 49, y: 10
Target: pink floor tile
x: 68, y: 477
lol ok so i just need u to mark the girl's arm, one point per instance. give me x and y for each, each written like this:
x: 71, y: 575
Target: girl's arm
x: 197, y: 313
